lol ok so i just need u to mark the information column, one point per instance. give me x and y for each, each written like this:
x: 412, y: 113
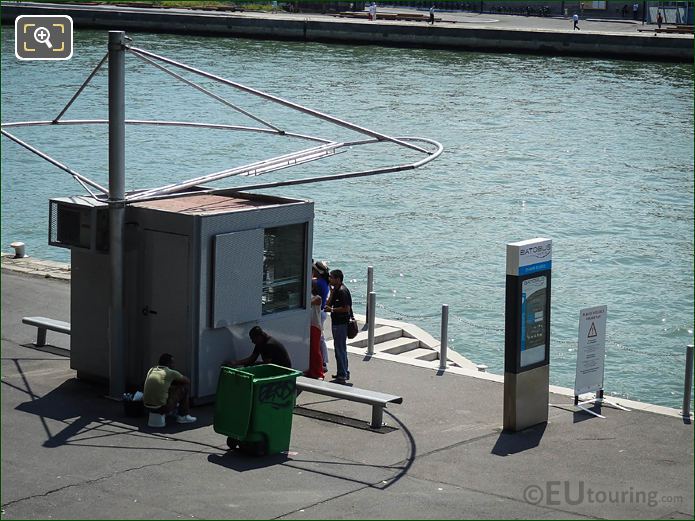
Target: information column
x: 527, y: 333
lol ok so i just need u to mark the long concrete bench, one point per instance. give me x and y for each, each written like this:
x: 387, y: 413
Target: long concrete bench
x: 43, y: 324
x: 377, y: 400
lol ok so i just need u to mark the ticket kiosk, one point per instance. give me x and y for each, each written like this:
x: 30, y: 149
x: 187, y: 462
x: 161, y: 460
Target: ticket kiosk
x: 201, y: 270
x: 527, y: 333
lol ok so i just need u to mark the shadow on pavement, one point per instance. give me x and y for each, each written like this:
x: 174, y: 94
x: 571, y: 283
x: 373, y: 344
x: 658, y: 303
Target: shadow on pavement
x: 240, y: 462
x: 514, y: 442
x: 85, y: 404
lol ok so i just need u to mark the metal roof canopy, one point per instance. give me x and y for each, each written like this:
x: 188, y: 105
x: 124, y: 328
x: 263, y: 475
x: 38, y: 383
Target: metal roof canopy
x: 323, y: 149
x: 117, y: 198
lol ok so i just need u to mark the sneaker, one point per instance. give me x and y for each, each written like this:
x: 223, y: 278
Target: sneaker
x: 186, y: 419
x: 341, y: 381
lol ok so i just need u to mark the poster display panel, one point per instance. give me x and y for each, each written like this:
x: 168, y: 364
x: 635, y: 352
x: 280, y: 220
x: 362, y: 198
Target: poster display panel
x: 591, y: 350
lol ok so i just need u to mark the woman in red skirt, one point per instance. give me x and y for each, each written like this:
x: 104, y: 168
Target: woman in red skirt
x: 315, y: 358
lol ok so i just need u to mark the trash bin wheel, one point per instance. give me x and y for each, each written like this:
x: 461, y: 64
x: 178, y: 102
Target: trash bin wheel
x: 232, y: 443
x: 261, y: 447
x: 254, y: 448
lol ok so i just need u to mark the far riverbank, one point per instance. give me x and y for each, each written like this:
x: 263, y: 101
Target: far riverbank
x: 461, y: 33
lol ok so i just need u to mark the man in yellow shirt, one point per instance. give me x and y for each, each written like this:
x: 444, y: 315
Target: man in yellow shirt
x: 165, y: 388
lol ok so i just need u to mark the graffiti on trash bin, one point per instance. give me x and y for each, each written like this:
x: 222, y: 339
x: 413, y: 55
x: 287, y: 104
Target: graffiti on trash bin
x: 278, y: 395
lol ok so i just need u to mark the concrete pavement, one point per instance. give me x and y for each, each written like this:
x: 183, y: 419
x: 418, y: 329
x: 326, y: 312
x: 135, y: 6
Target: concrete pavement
x: 68, y: 452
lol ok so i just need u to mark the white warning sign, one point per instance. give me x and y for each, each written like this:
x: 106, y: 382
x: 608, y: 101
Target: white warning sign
x: 591, y: 350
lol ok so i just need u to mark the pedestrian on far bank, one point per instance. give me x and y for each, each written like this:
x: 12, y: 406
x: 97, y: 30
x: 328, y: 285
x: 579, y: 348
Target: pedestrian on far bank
x: 372, y: 11
x: 659, y: 19
x: 339, y: 306
x: 575, y: 19
x: 624, y: 11
x: 432, y: 15
x: 635, y: 10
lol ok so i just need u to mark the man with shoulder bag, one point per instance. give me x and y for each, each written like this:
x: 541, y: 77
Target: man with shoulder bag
x: 339, y: 305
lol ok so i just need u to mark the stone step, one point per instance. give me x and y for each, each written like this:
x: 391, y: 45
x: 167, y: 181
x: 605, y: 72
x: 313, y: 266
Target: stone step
x: 381, y: 334
x: 397, y: 345
x: 428, y: 355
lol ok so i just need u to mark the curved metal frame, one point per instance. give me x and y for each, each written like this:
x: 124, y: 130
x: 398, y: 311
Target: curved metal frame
x: 324, y: 148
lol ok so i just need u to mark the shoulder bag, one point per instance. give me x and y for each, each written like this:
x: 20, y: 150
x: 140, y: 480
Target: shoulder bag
x: 352, y: 328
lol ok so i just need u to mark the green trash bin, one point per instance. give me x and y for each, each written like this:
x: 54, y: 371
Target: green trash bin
x: 254, y: 406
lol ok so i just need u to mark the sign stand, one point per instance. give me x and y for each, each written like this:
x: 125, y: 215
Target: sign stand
x: 600, y: 400
x: 591, y: 354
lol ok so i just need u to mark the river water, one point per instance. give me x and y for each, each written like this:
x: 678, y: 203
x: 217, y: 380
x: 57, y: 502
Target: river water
x: 597, y: 155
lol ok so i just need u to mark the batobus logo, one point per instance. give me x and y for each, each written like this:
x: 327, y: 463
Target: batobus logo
x: 539, y: 251
x: 39, y: 37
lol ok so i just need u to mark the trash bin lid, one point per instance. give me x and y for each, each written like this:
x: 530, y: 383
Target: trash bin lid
x: 233, y: 402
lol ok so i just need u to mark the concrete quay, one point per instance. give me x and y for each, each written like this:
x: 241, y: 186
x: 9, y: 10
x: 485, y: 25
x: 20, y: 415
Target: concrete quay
x: 68, y: 452
x: 459, y: 31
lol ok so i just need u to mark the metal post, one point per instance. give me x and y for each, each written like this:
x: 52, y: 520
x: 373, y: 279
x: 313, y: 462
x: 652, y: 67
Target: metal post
x: 116, y: 210
x: 377, y: 417
x: 370, y: 288
x: 688, y: 385
x: 443, y: 343
x: 371, y: 301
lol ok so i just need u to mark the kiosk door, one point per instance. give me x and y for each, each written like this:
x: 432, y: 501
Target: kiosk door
x: 165, y: 300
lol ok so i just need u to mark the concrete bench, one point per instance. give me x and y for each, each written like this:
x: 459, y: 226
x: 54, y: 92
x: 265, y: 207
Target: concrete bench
x: 377, y: 400
x: 43, y: 324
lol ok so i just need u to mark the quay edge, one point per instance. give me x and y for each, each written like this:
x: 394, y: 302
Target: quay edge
x: 457, y: 363
x: 640, y: 46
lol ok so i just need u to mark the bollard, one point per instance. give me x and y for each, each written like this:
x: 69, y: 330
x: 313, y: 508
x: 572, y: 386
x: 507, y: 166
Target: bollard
x: 688, y: 384
x: 443, y: 343
x: 370, y: 288
x: 19, y: 250
x: 371, y: 307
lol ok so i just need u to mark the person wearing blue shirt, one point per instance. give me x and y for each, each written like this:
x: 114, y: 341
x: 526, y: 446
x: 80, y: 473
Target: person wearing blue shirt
x: 319, y: 272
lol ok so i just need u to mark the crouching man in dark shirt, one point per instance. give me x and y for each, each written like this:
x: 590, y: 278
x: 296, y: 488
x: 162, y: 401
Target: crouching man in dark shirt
x: 270, y: 350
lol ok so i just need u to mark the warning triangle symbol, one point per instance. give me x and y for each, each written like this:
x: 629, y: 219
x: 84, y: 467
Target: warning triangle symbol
x: 592, y: 331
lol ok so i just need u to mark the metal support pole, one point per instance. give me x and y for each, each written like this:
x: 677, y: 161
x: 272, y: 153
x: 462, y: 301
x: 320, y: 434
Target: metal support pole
x: 443, y: 343
x: 370, y: 288
x: 377, y: 417
x: 371, y: 301
x: 116, y: 211
x: 688, y: 384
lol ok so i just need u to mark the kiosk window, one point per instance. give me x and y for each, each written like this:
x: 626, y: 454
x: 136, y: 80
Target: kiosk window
x: 284, y: 263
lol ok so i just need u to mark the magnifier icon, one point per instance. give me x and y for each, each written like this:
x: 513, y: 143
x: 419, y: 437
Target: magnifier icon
x: 42, y: 35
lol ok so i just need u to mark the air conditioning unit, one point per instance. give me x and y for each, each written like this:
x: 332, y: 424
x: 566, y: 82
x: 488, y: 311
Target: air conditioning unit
x: 78, y: 222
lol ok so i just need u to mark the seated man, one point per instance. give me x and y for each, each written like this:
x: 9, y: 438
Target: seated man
x: 270, y: 350
x: 165, y: 388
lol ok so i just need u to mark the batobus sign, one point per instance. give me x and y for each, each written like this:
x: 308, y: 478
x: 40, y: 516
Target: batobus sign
x: 527, y: 333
